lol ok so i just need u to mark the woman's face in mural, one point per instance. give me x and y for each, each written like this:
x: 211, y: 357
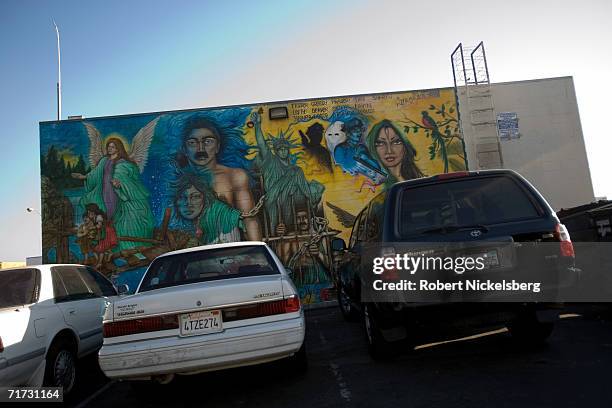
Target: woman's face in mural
x: 202, y: 146
x: 190, y: 203
x: 390, y: 147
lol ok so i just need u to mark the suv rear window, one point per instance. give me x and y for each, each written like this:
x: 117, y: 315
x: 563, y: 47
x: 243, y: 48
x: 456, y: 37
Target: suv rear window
x: 18, y: 287
x: 466, y: 202
x: 207, y: 265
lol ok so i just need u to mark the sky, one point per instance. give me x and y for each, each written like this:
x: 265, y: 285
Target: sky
x: 135, y: 56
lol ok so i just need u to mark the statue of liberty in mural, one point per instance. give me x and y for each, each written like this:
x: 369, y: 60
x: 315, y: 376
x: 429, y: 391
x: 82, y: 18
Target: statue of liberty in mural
x: 114, y: 184
x: 284, y: 181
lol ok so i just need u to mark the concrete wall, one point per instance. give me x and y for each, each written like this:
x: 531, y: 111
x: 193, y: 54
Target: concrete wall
x: 550, y: 151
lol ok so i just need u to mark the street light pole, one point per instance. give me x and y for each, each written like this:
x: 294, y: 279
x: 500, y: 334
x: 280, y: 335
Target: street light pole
x: 59, y: 75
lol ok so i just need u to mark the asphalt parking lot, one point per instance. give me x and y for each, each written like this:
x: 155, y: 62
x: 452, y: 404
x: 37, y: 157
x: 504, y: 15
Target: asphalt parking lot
x: 573, y: 369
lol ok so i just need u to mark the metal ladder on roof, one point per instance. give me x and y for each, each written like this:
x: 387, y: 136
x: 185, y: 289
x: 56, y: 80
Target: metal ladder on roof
x: 473, y: 91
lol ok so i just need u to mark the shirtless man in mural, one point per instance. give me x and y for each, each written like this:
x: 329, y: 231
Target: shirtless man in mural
x: 201, y: 144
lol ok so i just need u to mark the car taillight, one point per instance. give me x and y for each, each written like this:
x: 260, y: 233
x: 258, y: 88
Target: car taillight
x: 1, y: 345
x: 292, y: 304
x: 389, y: 273
x: 144, y: 325
x: 288, y: 305
x: 563, y: 236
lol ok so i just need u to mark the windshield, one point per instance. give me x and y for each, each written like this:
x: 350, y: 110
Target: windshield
x: 18, y: 287
x: 207, y: 265
x: 474, y: 202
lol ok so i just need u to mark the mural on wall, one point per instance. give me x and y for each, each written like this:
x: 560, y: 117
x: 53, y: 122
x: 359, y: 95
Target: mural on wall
x: 119, y: 191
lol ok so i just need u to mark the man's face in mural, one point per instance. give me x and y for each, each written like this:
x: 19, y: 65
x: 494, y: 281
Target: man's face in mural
x: 301, y: 219
x: 201, y: 146
x: 389, y: 147
x: 190, y: 203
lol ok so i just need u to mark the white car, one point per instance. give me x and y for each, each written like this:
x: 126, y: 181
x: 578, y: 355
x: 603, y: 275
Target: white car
x: 202, y: 309
x: 49, y: 316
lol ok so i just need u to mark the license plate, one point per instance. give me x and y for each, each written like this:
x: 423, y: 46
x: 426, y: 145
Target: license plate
x: 193, y: 324
x: 490, y: 258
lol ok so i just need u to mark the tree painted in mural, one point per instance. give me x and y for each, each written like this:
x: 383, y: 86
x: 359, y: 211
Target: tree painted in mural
x: 155, y: 183
x: 443, y: 130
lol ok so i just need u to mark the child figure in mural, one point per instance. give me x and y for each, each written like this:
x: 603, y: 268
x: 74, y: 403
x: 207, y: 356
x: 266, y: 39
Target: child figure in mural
x: 87, y: 233
x: 284, y: 182
x: 114, y: 184
x: 106, y: 237
x: 393, y: 151
x: 198, y: 209
x: 203, y: 146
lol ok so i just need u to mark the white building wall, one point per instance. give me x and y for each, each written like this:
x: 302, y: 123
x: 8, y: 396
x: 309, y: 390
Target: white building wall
x: 550, y: 151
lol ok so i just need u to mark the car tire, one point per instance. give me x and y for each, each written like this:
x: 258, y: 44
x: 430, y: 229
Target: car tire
x: 378, y: 347
x: 60, y: 368
x: 346, y: 306
x: 298, y: 362
x: 528, y: 330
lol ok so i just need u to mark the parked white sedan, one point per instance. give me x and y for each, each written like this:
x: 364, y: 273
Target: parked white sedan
x: 49, y: 316
x: 205, y: 308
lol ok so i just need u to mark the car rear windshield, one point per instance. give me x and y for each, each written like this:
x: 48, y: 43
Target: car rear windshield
x: 207, y: 265
x: 18, y: 287
x: 466, y: 202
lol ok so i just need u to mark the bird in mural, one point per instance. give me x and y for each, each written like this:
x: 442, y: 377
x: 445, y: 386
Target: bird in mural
x: 428, y: 122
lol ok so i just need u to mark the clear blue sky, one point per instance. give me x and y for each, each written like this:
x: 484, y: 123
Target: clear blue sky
x: 140, y: 56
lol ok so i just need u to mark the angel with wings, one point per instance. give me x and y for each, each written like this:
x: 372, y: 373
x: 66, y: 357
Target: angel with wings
x: 114, y: 183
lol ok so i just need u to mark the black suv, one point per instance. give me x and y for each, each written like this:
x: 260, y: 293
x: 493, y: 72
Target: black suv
x: 483, y: 206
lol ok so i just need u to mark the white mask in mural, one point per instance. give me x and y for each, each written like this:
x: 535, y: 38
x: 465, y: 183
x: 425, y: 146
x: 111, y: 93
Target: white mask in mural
x: 334, y: 136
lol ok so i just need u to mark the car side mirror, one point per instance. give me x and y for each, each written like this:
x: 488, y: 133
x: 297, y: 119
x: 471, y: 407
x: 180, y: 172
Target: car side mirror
x: 123, y: 289
x: 338, y: 245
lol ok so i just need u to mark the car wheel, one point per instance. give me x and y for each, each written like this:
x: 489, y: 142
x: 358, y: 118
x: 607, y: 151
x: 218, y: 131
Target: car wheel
x: 378, y: 347
x: 528, y: 330
x: 346, y: 306
x: 60, y: 369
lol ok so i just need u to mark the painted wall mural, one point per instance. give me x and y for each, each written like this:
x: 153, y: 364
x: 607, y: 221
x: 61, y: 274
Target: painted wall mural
x: 119, y: 191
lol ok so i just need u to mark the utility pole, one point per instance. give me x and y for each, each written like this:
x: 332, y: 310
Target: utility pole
x: 59, y: 75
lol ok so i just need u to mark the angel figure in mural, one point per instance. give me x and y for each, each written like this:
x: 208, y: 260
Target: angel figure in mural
x: 284, y: 181
x: 392, y: 149
x: 114, y: 184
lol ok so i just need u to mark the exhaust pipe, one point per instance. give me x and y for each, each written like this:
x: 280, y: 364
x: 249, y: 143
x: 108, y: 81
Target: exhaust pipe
x: 163, y: 378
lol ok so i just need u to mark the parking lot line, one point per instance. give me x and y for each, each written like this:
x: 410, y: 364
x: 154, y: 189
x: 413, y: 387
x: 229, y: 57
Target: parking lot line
x: 476, y: 336
x: 345, y: 393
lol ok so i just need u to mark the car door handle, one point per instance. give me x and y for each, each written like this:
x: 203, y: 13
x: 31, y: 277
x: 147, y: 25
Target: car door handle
x: 72, y: 312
